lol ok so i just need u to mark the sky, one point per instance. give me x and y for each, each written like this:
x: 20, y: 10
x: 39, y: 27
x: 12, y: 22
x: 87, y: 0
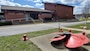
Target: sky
x: 78, y: 4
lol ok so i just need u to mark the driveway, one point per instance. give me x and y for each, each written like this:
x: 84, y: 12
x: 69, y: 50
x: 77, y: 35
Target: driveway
x: 17, y: 29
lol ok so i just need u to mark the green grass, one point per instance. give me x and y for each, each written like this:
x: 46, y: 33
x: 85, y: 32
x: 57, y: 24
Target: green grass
x: 15, y: 42
x: 88, y: 35
x: 83, y: 19
x: 74, y: 31
x: 80, y: 26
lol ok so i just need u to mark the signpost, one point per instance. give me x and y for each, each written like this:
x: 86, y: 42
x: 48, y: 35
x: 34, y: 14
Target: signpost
x: 0, y: 7
x: 59, y: 24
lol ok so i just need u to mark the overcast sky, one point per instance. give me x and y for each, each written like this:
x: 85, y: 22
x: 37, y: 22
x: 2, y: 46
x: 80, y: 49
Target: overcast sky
x: 78, y: 4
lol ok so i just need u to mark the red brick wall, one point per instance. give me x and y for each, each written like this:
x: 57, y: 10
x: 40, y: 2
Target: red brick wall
x: 64, y: 12
x: 51, y: 7
x: 60, y: 11
x: 14, y: 15
x: 45, y: 15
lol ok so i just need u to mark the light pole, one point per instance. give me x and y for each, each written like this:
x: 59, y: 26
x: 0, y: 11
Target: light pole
x: 86, y: 17
x: 59, y: 24
x: 0, y: 7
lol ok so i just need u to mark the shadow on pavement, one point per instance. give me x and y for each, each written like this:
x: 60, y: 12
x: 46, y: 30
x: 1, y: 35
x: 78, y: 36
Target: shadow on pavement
x: 60, y: 45
x: 78, y: 49
x: 87, y: 44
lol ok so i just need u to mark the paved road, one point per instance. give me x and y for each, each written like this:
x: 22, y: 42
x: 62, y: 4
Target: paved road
x: 17, y: 29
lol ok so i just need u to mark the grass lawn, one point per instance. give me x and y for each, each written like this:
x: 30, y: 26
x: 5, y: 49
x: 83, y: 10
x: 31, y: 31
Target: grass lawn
x: 83, y: 19
x: 15, y: 43
x: 80, y: 26
x: 88, y: 35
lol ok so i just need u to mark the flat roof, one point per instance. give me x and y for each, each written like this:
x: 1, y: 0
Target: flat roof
x: 23, y: 8
x: 58, y: 4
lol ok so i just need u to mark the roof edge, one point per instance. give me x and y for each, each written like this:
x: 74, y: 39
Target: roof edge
x: 58, y: 4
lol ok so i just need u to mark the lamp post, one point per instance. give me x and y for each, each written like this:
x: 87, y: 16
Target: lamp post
x: 0, y: 7
x: 58, y: 23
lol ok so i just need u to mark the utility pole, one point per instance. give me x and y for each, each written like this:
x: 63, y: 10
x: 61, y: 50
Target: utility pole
x: 59, y: 23
x: 0, y: 7
x: 86, y: 14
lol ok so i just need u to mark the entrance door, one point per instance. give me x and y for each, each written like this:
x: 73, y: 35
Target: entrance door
x: 26, y: 15
x: 2, y: 16
x: 34, y: 15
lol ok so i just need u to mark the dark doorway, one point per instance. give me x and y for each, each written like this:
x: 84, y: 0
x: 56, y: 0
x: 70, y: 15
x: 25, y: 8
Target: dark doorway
x: 34, y: 15
x: 47, y: 19
x: 1, y: 16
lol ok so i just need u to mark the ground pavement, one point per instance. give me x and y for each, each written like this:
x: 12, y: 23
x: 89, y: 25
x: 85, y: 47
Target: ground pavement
x: 82, y: 30
x: 43, y: 42
x: 18, y: 29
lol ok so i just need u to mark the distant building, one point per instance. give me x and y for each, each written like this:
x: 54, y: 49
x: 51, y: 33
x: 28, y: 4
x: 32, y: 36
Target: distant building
x: 53, y: 11
x: 61, y: 11
x: 18, y: 14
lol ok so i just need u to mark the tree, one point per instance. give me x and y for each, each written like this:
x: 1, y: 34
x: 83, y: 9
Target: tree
x: 86, y: 13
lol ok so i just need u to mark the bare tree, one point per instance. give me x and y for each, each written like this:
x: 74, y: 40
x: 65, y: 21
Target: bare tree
x: 86, y: 13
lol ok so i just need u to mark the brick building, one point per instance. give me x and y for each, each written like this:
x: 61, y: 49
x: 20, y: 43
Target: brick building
x: 61, y: 11
x: 19, y: 14
x: 52, y: 11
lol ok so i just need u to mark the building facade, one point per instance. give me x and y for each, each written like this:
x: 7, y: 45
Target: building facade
x: 18, y: 14
x: 52, y: 11
x: 61, y: 11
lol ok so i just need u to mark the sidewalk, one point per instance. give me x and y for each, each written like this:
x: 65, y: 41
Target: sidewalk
x: 83, y: 30
x: 43, y: 42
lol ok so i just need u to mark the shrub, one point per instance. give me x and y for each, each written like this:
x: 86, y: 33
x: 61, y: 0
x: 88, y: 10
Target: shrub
x: 5, y: 23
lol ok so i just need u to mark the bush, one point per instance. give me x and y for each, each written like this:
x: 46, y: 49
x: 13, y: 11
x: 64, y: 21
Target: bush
x: 5, y: 23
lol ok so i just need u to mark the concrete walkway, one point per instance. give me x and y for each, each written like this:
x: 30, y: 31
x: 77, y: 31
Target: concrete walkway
x: 44, y: 43
x: 83, y: 30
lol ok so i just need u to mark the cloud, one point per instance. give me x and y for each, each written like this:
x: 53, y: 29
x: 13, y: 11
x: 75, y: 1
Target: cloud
x: 52, y: 1
x: 29, y: 0
x: 12, y: 0
x: 4, y: 2
x: 38, y: 4
x: 42, y: 8
x: 37, y: 0
x: 78, y: 9
x: 27, y: 6
x: 71, y: 1
x: 9, y: 3
x: 85, y: 2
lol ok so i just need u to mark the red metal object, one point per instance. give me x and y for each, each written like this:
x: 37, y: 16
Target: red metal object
x: 72, y: 40
x: 25, y: 37
x: 59, y: 38
x: 60, y: 30
x: 83, y: 33
x: 70, y: 30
